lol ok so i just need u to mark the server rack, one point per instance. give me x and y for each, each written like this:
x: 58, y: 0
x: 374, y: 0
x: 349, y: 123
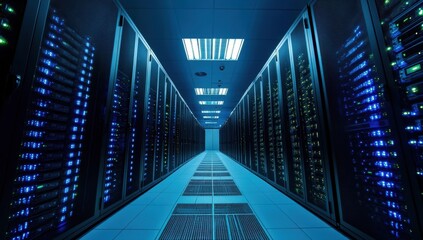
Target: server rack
x: 268, y: 126
x: 54, y: 110
x: 400, y: 38
x: 288, y: 123
x: 62, y: 172
x: 370, y: 164
x: 119, y: 101
x: 133, y: 166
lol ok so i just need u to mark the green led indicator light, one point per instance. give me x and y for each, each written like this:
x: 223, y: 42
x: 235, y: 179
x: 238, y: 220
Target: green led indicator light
x: 420, y: 12
x: 3, y: 41
x: 393, y: 63
x: 40, y: 186
x: 388, y: 48
x: 414, y: 90
x: 10, y: 9
x: 413, y: 69
x: 387, y: 2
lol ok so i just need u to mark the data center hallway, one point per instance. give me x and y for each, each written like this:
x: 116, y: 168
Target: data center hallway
x: 213, y: 197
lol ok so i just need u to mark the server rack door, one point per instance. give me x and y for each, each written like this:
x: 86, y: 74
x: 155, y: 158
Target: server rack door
x: 118, y: 119
x: 403, y: 41
x: 295, y: 155
x: 253, y: 104
x: 133, y: 168
x: 51, y: 187
x: 311, y: 125
x: 250, y: 139
x: 172, y: 130
x: 178, y: 131
x: 276, y: 92
x: 158, y: 144
x: 150, y: 128
x: 245, y: 149
x: 166, y: 127
x: 369, y: 167
x: 269, y: 127
x: 262, y: 164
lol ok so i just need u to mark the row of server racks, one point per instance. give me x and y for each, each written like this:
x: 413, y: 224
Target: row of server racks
x: 89, y: 118
x: 334, y: 119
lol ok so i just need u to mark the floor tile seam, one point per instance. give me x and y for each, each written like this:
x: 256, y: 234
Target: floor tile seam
x: 117, y: 235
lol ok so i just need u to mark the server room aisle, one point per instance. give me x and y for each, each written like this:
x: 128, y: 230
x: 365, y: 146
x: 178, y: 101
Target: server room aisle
x: 213, y: 197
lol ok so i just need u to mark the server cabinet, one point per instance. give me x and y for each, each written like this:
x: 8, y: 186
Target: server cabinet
x: 255, y: 127
x: 172, y: 129
x: 401, y: 23
x: 166, y: 129
x: 158, y: 144
x: 288, y: 117
x: 119, y: 101
x: 178, y: 139
x: 52, y: 168
x: 133, y: 167
x: 150, y: 128
x: 261, y: 141
x: 295, y: 163
x: 372, y: 185
x: 268, y: 126
x: 313, y: 147
x: 250, y: 136
x: 276, y: 94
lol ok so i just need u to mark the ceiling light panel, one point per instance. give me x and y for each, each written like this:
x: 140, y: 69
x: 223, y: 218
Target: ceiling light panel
x: 211, y: 91
x: 210, y: 122
x: 210, y: 112
x: 213, y: 49
x: 210, y: 102
x: 211, y: 117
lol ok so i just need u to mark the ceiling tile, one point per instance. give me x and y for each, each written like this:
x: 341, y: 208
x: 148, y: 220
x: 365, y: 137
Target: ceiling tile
x: 132, y: 4
x: 164, y: 27
x: 232, y: 23
x: 236, y: 4
x: 272, y: 24
x: 195, y: 23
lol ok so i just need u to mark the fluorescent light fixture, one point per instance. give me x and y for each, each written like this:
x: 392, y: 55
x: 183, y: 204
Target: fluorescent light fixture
x: 210, y: 122
x: 211, y: 102
x: 211, y: 91
x: 214, y: 49
x: 211, y: 117
x: 210, y: 112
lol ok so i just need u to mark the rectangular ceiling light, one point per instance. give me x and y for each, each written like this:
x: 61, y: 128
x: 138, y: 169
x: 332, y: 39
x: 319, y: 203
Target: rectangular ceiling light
x: 214, y: 49
x: 211, y: 91
x: 210, y: 122
x: 211, y: 112
x: 211, y: 117
x: 211, y: 102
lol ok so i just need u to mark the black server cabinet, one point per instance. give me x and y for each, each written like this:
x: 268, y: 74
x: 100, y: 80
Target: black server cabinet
x: 52, y: 166
x: 249, y: 131
x: 261, y: 141
x: 295, y: 159
x: 150, y: 125
x: 178, y: 131
x: 158, y: 145
x: 314, y: 156
x: 278, y: 141
x: 401, y: 24
x: 133, y: 167
x: 255, y: 129
x: 309, y: 178
x: 268, y: 126
x: 172, y: 129
x: 372, y: 186
x: 118, y: 119
x: 288, y: 117
x: 166, y: 128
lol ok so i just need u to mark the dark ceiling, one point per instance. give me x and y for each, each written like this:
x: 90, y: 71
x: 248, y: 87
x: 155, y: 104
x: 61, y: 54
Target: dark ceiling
x: 262, y: 23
